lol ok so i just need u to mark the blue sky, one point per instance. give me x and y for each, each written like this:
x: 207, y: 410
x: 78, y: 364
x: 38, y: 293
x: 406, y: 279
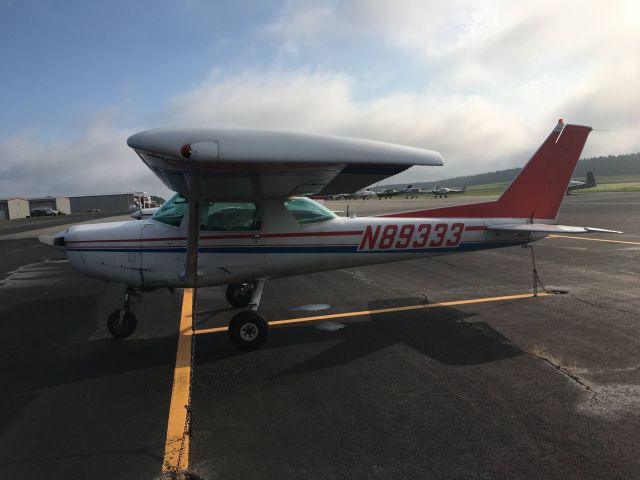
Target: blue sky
x: 69, y: 59
x: 482, y: 82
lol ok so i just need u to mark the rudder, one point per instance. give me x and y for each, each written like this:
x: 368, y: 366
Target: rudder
x: 539, y: 188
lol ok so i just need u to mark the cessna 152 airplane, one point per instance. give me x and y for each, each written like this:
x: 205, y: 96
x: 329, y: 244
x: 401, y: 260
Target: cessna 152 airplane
x: 240, y: 216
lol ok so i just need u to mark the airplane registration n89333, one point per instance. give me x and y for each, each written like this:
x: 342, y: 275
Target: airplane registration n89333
x: 241, y: 216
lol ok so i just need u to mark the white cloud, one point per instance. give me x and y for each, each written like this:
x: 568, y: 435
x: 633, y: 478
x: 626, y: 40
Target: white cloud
x: 473, y: 133
x: 495, y: 68
x: 300, y: 100
x: 468, y: 44
x: 500, y: 73
x: 97, y: 160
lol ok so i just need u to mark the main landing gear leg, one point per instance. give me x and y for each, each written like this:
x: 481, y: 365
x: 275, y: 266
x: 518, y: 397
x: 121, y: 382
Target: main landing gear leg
x: 122, y: 323
x: 248, y: 329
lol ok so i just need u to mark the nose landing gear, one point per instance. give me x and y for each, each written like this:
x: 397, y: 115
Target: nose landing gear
x: 122, y: 322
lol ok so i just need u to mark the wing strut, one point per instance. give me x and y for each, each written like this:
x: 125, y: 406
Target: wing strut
x: 191, y: 274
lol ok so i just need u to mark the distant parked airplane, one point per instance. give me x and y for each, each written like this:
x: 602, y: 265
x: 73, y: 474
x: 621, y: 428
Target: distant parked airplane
x: 364, y: 194
x: 409, y: 191
x: 389, y: 192
x: 578, y: 185
x: 412, y: 192
x: 440, y: 192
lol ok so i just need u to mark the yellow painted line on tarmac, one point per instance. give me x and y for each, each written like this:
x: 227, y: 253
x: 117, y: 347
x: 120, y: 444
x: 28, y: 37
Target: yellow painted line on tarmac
x: 386, y: 310
x: 180, y: 394
x: 626, y: 242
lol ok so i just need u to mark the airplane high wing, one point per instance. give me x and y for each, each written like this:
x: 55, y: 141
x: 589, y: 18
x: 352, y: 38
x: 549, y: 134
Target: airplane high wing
x: 254, y: 164
x: 236, y: 219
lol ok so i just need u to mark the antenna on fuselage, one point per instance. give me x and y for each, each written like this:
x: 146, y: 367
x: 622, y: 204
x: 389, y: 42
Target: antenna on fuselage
x: 355, y: 213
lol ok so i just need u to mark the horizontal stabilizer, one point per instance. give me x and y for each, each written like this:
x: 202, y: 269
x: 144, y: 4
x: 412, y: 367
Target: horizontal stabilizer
x: 547, y: 228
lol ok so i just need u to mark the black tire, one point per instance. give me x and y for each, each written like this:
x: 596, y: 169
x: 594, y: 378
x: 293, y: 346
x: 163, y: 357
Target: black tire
x: 248, y: 330
x: 239, y: 294
x: 122, y: 329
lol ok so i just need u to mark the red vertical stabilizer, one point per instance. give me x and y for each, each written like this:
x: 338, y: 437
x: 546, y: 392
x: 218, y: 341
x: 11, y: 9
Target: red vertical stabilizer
x: 539, y: 188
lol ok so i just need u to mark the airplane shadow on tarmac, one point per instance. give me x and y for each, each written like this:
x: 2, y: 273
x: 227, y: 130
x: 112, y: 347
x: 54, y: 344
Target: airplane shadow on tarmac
x: 444, y: 334
x: 56, y: 349
x: 54, y: 346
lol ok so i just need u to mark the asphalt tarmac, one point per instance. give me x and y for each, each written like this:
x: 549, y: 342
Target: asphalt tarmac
x: 9, y: 227
x: 544, y: 387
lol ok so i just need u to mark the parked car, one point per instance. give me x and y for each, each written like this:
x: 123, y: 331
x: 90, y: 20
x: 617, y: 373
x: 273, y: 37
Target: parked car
x: 94, y: 210
x: 44, y: 212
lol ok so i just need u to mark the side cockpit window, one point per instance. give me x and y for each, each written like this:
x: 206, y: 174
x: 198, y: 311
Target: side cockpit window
x: 305, y: 210
x: 172, y: 212
x: 230, y: 217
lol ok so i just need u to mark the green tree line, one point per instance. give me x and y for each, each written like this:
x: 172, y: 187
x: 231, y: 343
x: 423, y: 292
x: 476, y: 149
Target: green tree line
x: 604, y: 166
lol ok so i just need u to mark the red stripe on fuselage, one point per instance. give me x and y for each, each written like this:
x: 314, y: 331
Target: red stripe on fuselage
x: 312, y: 234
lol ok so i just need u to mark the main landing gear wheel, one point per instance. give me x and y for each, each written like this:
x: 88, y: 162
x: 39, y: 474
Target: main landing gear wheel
x: 239, y: 294
x: 122, y: 327
x: 248, y: 330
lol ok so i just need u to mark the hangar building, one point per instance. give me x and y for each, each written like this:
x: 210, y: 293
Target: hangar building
x: 112, y: 202
x: 60, y: 204
x: 11, y: 208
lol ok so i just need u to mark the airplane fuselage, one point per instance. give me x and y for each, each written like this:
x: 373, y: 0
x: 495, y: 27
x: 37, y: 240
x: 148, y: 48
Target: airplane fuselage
x: 148, y: 253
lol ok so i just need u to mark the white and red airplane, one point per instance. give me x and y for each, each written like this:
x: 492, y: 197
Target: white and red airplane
x: 240, y: 216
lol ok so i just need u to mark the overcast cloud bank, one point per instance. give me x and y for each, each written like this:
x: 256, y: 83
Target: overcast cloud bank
x: 493, y: 81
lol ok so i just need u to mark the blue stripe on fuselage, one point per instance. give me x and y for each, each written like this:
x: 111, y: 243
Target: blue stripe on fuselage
x: 468, y: 246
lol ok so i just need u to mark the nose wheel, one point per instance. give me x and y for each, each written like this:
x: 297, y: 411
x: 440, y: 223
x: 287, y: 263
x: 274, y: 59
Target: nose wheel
x: 122, y: 322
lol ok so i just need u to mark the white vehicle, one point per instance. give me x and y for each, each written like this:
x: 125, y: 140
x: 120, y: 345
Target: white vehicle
x: 237, y: 218
x: 44, y: 211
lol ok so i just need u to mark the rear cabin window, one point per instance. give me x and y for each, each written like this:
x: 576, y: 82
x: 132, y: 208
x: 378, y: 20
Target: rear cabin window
x: 305, y: 210
x: 172, y: 211
x: 230, y: 217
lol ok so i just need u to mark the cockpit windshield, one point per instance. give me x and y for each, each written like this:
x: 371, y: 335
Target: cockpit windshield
x: 305, y: 210
x: 172, y: 211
